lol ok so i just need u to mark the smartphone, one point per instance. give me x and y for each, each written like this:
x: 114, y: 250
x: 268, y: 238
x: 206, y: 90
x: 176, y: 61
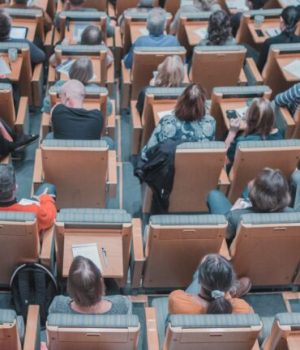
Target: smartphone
x: 259, y: 32
x: 231, y: 114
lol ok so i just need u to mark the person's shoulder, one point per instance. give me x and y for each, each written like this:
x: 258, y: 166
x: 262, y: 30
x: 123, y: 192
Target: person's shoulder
x: 121, y: 304
x: 60, y: 304
x: 179, y: 294
x: 208, y: 119
x: 240, y: 306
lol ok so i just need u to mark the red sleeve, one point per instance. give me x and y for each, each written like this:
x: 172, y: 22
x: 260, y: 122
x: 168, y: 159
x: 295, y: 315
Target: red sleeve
x: 46, y: 213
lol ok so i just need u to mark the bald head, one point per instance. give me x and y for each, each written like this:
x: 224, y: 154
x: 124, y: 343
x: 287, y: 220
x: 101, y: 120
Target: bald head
x: 72, y: 93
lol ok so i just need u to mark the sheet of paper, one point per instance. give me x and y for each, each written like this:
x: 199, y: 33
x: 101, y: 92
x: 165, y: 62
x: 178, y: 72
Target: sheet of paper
x: 65, y: 67
x: 4, y: 67
x: 78, y: 29
x: 18, y: 32
x: 293, y: 68
x: 292, y: 2
x: 144, y: 31
x: 241, y: 112
x: 201, y: 32
x: 88, y: 250
x: 164, y: 113
x: 273, y: 31
x: 237, y: 4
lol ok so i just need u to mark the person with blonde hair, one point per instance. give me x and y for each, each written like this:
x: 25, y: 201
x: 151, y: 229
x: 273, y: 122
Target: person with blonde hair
x: 70, y: 121
x: 170, y: 73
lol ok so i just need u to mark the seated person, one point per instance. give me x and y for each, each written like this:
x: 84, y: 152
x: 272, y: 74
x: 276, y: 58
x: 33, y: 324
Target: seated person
x: 170, y: 73
x: 156, y: 23
x: 217, y: 292
x: 288, y: 24
x: 289, y: 98
x: 78, y: 5
x: 219, y: 30
x: 197, y: 6
x: 86, y: 291
x: 42, y: 204
x: 36, y: 54
x: 70, y: 121
x: 23, y: 4
x: 188, y: 123
x: 11, y: 141
x: 267, y: 193
x: 260, y: 120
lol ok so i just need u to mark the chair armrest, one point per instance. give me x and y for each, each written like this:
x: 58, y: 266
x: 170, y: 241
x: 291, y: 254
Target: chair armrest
x: 32, y: 332
x: 288, y: 121
x: 48, y: 42
x: 242, y: 78
x: 138, y: 257
x: 253, y: 75
x: 51, y: 76
x: 37, y: 170
x: 224, y: 182
x: 110, y: 79
x: 37, y: 82
x: 224, y: 251
x: 137, y: 128
x: 56, y: 37
x: 22, y: 121
x: 6, y: 160
x: 47, y: 249
x: 151, y: 328
x: 126, y: 87
x: 186, y: 79
x: 111, y: 122
x: 112, y: 173
x: 45, y: 125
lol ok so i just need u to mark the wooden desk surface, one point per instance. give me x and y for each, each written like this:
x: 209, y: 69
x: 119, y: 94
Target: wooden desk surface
x: 111, y: 242
x: 232, y: 104
x: 43, y: 4
x: 191, y: 28
x: 293, y: 342
x: 15, y: 67
x: 29, y: 23
x: 162, y: 106
x: 70, y: 32
x: 285, y: 60
x: 137, y: 29
x: 267, y: 24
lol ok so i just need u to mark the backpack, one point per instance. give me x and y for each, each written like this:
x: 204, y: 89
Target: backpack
x: 33, y: 283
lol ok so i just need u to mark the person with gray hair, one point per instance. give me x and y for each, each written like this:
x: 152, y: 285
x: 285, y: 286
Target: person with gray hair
x: 70, y: 121
x: 156, y: 23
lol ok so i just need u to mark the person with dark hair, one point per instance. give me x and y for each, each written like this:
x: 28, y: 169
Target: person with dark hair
x: 219, y: 30
x: 86, y: 291
x: 260, y: 125
x: 216, y: 293
x: 267, y: 193
x: 288, y: 23
x: 188, y: 123
x: 36, y: 54
x: 42, y: 203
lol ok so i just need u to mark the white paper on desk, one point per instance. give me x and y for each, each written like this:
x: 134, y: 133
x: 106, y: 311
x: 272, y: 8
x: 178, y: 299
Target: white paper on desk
x: 273, y: 31
x: 293, y: 68
x: 78, y: 29
x: 241, y: 112
x: 201, y: 32
x: 144, y: 31
x: 65, y: 67
x: 164, y: 113
x: 89, y: 251
x: 187, y: 2
x: 291, y: 2
x: 4, y: 68
x: 237, y: 4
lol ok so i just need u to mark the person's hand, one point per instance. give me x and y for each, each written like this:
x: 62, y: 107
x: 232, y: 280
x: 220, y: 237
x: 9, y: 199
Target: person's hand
x: 52, y: 61
x: 240, y: 204
x: 234, y: 124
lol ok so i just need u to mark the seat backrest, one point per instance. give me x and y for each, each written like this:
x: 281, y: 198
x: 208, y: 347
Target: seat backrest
x: 217, y: 66
x: 19, y: 242
x: 146, y: 61
x: 89, y: 332
x: 100, y: 5
x: 233, y: 93
x: 8, y: 112
x: 9, y: 337
x: 296, y: 132
x: 122, y: 5
x: 63, y: 159
x: 285, y: 333
x: 213, y: 332
x: 252, y: 156
x: 110, y: 226
x: 262, y: 243
x: 279, y: 56
x: 98, y: 52
x: 176, y: 244
x: 204, y: 161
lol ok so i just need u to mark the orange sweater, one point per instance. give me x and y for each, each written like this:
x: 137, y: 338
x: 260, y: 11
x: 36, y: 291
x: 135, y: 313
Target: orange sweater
x: 45, y: 210
x: 181, y: 302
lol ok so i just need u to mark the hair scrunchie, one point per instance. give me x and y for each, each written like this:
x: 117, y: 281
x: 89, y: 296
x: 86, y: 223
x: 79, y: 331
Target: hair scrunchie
x: 215, y: 294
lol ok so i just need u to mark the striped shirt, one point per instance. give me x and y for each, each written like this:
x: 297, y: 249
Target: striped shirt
x: 289, y: 98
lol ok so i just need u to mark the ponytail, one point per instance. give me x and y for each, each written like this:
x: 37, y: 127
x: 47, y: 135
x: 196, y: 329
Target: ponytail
x: 219, y: 306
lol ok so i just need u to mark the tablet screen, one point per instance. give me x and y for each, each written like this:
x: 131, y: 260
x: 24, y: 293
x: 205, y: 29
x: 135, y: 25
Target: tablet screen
x: 18, y: 32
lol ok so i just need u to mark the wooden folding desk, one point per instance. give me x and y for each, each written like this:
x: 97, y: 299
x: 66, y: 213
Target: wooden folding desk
x: 284, y: 60
x: 267, y: 24
x: 111, y: 261
x: 230, y: 104
x: 15, y: 67
x: 190, y: 28
x: 162, y: 106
